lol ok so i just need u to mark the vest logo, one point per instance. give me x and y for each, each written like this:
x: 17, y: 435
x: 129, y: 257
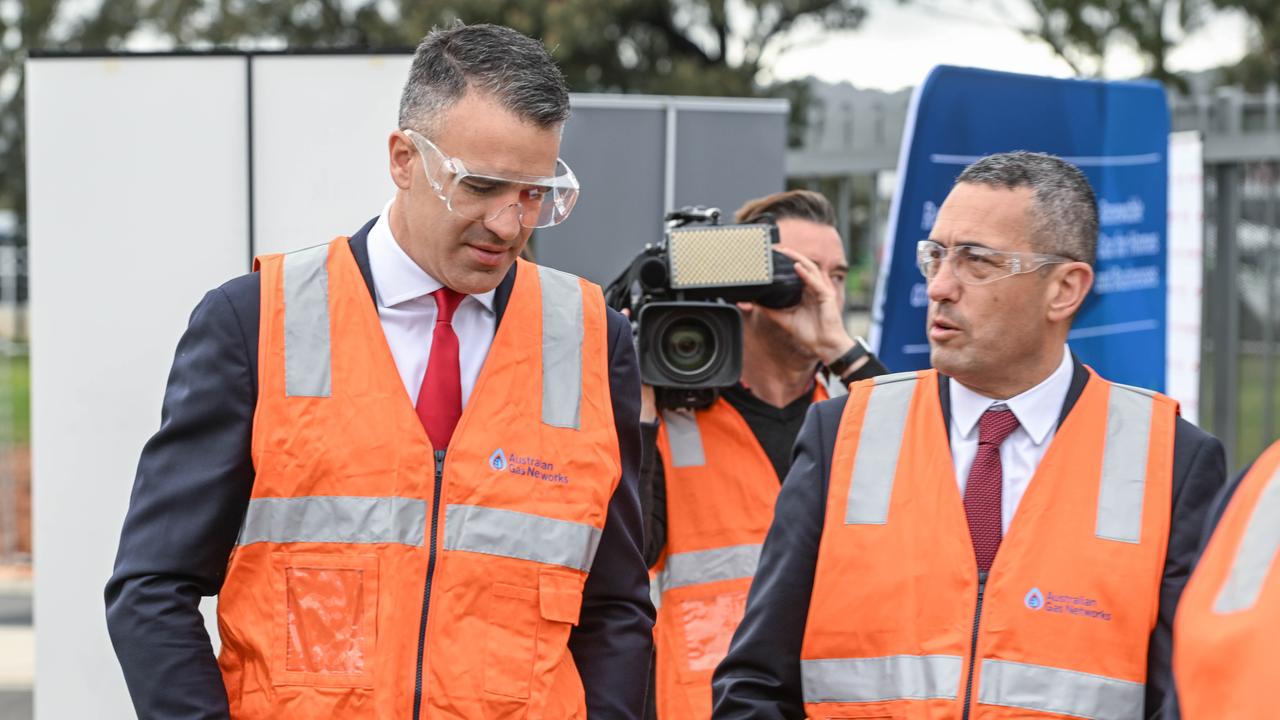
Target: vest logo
x: 498, y: 460
x: 528, y: 466
x: 1081, y: 606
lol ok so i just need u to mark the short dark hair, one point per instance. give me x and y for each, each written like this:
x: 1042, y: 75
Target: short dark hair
x: 1065, y: 212
x: 794, y: 204
x: 514, y: 69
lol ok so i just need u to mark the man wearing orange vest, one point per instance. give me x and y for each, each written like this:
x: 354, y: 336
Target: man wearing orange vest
x: 405, y: 461
x: 1224, y: 637
x: 1004, y: 536
x: 716, y: 472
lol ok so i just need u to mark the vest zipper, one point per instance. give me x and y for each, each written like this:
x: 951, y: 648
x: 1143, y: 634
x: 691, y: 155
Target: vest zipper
x: 973, y: 647
x: 426, y: 592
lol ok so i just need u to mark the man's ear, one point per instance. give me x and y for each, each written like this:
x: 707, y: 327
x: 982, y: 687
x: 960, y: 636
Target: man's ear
x: 401, y: 156
x: 1069, y: 286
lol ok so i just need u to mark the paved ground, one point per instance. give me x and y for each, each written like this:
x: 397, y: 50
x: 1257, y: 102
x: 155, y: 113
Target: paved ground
x: 16, y: 705
x: 17, y: 651
x: 15, y: 606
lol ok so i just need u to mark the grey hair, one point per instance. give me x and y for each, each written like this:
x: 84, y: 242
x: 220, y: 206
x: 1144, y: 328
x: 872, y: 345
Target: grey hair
x: 514, y: 69
x: 1065, y: 212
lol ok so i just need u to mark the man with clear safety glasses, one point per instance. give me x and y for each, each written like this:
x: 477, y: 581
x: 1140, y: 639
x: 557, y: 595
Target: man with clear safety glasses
x: 406, y: 460
x: 1005, y: 535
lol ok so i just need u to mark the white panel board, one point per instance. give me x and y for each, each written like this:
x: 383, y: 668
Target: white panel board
x: 1186, y: 271
x: 320, y: 145
x: 138, y: 205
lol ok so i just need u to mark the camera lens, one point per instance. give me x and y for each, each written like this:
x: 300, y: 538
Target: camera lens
x: 688, y: 345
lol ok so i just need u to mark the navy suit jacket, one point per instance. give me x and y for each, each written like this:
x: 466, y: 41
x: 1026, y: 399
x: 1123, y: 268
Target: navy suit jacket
x: 760, y: 677
x: 192, y: 489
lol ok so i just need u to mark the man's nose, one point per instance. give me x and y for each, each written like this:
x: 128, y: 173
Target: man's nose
x: 944, y: 286
x: 506, y: 224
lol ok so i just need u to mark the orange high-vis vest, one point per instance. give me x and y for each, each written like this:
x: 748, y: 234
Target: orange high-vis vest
x: 1226, y: 662
x: 375, y: 577
x: 721, y: 489
x: 900, y: 625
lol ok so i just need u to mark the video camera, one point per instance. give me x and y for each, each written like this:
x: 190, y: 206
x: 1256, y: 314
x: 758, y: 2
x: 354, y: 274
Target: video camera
x: 681, y: 292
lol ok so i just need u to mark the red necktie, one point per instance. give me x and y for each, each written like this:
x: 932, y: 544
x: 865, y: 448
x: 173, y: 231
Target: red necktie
x: 982, y: 492
x: 440, y: 398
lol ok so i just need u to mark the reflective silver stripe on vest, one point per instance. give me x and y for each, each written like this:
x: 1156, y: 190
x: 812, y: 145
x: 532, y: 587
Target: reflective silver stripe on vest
x: 877, y: 679
x: 335, y: 519
x: 1063, y: 692
x: 1122, y: 487
x: 1256, y: 554
x: 507, y: 533
x: 876, y: 462
x: 306, y: 323
x: 707, y: 566
x: 561, y: 348
x: 684, y: 438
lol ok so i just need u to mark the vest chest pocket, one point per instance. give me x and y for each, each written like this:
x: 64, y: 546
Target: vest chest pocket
x: 528, y: 629
x: 325, y: 619
x: 705, y: 620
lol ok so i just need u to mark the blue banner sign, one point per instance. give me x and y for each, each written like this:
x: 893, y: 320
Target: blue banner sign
x: 1116, y: 132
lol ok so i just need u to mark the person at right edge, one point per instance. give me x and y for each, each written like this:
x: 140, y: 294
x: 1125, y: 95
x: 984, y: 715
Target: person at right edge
x: 1224, y: 654
x: 711, y: 476
x: 1005, y: 535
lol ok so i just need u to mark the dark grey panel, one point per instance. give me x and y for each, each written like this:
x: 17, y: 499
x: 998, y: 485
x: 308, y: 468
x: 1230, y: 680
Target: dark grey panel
x: 617, y: 155
x: 724, y: 159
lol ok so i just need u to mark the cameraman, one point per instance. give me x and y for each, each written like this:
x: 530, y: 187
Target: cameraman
x: 709, y: 478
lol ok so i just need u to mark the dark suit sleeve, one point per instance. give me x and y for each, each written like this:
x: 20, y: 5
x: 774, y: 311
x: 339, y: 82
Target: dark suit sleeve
x: 653, y: 494
x: 1199, y: 470
x: 613, y: 642
x: 760, y: 677
x: 189, y: 496
x: 1219, y: 506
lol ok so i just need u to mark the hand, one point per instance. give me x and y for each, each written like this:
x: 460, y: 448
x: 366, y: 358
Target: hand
x: 817, y: 323
x: 648, y: 399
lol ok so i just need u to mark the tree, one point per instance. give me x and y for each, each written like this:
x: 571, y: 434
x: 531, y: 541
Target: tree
x: 1261, y: 66
x: 1081, y: 31
x: 693, y: 47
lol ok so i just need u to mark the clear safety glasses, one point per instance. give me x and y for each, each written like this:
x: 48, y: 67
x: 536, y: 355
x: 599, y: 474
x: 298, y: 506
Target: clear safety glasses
x: 537, y: 201
x: 975, y: 265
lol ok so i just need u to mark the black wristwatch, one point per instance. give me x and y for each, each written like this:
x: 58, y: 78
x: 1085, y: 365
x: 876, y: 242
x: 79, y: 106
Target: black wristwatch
x: 841, y: 365
x: 871, y: 368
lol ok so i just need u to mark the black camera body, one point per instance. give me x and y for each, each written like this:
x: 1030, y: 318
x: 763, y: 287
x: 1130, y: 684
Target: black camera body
x: 681, y: 292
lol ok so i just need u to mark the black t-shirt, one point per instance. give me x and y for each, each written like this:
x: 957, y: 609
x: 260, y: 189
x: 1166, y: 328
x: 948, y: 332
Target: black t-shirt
x: 775, y: 428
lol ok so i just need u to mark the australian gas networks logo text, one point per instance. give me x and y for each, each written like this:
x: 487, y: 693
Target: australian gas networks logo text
x: 527, y: 466
x: 1059, y: 603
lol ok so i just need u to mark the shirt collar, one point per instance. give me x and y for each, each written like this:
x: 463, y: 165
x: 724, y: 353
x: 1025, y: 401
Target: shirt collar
x: 1037, y: 409
x: 396, y: 277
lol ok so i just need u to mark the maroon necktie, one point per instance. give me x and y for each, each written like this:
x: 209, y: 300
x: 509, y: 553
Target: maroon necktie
x: 982, y: 492
x: 440, y: 398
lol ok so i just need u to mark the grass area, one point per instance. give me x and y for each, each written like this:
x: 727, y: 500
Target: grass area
x: 1252, y: 434
x: 19, y: 399
x: 15, y: 375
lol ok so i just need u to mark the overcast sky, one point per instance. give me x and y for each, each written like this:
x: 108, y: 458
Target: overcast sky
x: 897, y: 45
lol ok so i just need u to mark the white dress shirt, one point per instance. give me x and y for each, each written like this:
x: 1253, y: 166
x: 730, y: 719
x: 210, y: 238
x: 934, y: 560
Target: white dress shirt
x: 1037, y: 411
x: 408, y: 313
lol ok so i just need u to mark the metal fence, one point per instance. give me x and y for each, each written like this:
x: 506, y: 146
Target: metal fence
x: 1239, y: 361
x: 1239, y: 358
